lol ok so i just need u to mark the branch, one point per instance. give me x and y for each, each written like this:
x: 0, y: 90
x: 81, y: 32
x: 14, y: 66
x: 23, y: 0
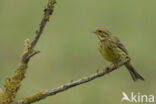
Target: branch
x: 1, y: 93
x: 13, y: 83
x: 45, y: 93
x: 47, y: 12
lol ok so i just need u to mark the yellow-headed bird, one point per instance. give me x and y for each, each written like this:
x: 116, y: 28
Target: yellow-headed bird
x: 114, y: 51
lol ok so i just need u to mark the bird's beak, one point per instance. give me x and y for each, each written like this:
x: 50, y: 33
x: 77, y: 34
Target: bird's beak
x: 94, y: 31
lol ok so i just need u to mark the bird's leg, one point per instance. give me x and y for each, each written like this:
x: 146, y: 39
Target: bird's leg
x: 122, y: 60
x: 117, y: 63
x: 113, y: 65
x: 126, y: 59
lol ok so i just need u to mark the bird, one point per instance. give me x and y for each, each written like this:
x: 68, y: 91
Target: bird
x: 114, y: 51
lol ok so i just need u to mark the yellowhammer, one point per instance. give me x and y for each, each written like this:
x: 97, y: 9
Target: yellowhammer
x: 114, y: 51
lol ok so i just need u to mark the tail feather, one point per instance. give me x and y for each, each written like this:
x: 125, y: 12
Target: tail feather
x: 135, y: 75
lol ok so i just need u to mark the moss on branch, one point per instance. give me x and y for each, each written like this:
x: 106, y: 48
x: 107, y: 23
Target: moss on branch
x: 12, y: 84
x: 45, y: 93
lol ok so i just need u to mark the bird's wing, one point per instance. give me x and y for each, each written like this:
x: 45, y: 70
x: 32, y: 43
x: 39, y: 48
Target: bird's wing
x: 119, y: 44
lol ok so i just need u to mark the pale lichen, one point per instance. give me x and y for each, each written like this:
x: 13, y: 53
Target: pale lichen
x: 12, y: 84
x: 36, y: 97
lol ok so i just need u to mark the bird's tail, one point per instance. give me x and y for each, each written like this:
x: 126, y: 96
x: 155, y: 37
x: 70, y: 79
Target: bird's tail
x: 135, y: 75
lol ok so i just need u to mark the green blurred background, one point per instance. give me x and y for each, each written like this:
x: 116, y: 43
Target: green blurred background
x: 69, y: 49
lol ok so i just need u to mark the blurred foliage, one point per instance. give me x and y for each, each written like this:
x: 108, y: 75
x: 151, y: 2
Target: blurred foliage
x: 69, y: 49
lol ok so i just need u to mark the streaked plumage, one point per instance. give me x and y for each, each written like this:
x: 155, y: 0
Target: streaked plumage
x: 113, y: 50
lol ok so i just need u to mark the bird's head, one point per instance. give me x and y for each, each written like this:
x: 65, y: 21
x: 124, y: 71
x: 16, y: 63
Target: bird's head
x: 102, y: 33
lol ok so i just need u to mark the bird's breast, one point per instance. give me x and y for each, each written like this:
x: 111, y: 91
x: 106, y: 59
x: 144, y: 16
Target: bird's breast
x: 107, y: 51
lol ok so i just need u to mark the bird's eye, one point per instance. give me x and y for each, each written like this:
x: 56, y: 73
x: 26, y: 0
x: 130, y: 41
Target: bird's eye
x: 100, y: 31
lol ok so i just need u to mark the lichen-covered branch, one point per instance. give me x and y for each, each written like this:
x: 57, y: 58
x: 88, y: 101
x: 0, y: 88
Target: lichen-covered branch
x: 47, y: 12
x: 12, y: 84
x: 1, y: 93
x: 45, y: 93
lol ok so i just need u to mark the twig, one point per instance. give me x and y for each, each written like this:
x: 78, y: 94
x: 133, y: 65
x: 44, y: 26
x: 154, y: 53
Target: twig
x: 12, y: 84
x: 47, y: 12
x: 45, y: 93
x: 34, y: 53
